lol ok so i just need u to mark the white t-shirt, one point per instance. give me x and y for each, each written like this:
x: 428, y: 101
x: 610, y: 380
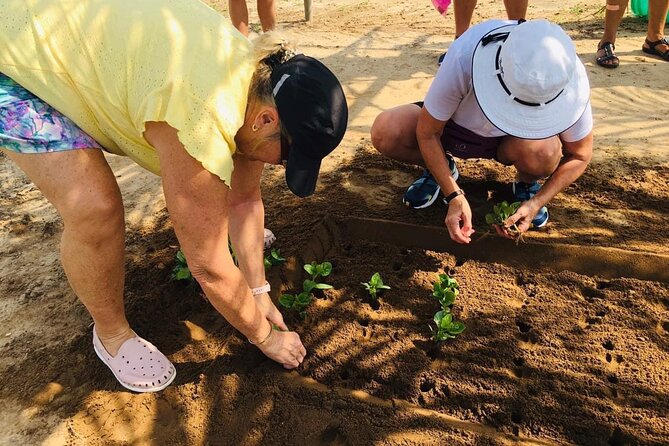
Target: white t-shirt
x: 451, y: 95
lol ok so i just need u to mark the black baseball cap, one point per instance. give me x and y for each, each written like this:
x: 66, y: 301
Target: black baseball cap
x: 313, y: 112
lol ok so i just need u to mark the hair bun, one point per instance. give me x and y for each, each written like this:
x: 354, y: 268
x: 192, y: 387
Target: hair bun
x: 275, y: 59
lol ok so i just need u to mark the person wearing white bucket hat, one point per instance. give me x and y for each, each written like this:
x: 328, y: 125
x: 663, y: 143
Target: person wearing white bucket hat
x: 511, y: 91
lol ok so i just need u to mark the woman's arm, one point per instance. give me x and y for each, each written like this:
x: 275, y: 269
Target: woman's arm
x: 197, y: 202
x: 247, y: 216
x: 459, y: 215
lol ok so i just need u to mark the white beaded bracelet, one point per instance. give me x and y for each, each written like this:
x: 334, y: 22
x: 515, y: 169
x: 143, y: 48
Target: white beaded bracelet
x: 261, y: 289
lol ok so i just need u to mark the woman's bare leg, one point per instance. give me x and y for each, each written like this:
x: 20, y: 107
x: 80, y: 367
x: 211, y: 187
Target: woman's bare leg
x: 82, y: 187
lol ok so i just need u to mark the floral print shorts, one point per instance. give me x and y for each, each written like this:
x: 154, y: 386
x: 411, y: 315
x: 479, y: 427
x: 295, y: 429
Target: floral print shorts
x: 30, y: 125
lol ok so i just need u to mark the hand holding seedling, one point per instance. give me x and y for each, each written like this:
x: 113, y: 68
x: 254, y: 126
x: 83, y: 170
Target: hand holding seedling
x: 502, y: 219
x: 284, y: 347
x: 459, y: 220
x: 521, y: 219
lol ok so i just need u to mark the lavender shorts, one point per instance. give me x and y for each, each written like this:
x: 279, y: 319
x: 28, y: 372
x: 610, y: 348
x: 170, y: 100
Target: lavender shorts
x: 30, y: 125
x: 463, y: 143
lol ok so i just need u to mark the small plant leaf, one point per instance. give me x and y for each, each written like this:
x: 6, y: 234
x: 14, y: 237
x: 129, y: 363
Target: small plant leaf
x: 325, y: 269
x: 310, y: 269
x: 182, y: 274
x: 457, y: 328
x: 287, y: 300
x: 308, y: 285
x: 303, y: 299
x: 181, y: 257
x: 323, y: 286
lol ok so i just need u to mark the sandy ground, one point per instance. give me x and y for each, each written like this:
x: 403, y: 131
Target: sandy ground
x: 384, y: 54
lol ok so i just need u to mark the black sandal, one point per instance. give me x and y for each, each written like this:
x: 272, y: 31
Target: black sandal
x: 652, y: 50
x: 609, y: 59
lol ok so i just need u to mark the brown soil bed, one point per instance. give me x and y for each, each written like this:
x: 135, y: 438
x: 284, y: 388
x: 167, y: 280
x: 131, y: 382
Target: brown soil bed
x: 548, y: 357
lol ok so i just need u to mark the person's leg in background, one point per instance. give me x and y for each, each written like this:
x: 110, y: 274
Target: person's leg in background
x: 463, y: 10
x: 239, y: 15
x: 516, y: 9
x: 655, y: 42
x: 267, y: 14
x: 606, y: 56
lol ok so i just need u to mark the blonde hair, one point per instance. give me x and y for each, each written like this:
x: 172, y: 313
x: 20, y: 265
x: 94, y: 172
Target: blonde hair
x: 271, y: 48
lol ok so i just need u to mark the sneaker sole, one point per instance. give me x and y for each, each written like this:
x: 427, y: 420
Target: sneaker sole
x: 429, y: 203
x: 544, y: 223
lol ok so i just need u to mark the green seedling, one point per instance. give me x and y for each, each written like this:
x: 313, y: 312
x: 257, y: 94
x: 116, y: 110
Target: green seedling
x: 273, y: 258
x: 446, y: 327
x: 180, y: 270
x: 297, y: 302
x: 316, y: 271
x: 445, y: 290
x: 500, y: 213
x: 375, y: 285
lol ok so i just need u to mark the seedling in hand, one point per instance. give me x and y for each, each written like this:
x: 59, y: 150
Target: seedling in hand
x: 298, y: 302
x: 500, y: 213
x: 375, y: 285
x: 273, y: 258
x: 445, y: 328
x: 180, y: 270
x: 445, y: 290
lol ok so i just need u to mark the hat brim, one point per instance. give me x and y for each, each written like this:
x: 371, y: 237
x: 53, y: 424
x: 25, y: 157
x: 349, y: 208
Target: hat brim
x: 301, y: 172
x: 516, y: 119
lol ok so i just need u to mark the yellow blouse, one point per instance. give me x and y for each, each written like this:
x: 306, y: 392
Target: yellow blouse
x: 113, y: 65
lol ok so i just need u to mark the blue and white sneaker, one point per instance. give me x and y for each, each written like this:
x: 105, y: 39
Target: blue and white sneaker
x: 525, y: 191
x: 425, y: 190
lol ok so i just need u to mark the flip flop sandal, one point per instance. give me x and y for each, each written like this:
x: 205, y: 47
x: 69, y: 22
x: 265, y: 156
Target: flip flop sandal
x: 652, y: 50
x: 609, y: 59
x: 138, y: 366
x: 270, y: 238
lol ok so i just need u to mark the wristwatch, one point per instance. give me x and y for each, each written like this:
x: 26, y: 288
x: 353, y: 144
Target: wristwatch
x: 452, y: 195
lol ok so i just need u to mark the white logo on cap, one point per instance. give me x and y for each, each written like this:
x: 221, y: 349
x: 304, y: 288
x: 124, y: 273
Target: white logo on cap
x: 279, y: 84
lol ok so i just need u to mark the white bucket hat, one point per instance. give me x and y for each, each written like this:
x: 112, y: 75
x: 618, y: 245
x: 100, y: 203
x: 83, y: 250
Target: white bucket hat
x: 528, y: 80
